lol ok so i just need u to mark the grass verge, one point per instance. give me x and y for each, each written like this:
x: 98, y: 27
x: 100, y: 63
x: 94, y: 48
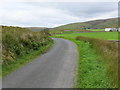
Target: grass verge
x: 6, y: 69
x: 91, y: 73
x: 95, y: 68
x: 108, y: 53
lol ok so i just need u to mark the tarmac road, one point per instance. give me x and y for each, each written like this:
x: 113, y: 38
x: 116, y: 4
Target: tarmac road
x: 54, y: 69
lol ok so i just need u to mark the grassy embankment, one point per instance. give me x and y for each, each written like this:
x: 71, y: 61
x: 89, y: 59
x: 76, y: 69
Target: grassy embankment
x: 20, y: 46
x: 97, y: 65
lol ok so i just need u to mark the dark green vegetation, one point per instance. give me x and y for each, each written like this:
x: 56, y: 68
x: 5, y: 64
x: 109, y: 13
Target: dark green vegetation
x: 20, y: 45
x: 56, y: 31
x: 98, y: 61
x: 95, y: 24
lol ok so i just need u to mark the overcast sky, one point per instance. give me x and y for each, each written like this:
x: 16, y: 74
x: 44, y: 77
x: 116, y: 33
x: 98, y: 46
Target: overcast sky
x: 52, y: 14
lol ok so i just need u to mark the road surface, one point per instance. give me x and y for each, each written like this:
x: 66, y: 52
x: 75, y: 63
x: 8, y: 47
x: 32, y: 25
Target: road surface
x: 54, y: 69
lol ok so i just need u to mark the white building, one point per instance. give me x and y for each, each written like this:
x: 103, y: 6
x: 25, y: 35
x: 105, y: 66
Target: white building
x: 112, y: 29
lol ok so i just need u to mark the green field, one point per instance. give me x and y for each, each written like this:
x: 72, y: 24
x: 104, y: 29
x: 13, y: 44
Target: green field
x: 96, y: 29
x: 100, y: 35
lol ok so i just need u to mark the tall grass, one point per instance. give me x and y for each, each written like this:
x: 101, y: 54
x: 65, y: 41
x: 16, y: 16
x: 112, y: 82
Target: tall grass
x: 108, y: 52
x: 17, y: 42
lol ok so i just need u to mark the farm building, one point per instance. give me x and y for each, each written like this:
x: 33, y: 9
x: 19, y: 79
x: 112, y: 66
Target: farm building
x: 112, y: 29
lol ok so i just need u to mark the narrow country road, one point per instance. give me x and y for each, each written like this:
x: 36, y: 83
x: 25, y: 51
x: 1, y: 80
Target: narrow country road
x: 54, y: 69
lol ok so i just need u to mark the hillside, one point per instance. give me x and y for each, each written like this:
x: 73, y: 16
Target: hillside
x: 95, y: 24
x: 36, y: 28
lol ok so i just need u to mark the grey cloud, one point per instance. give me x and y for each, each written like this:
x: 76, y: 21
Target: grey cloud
x: 57, y: 13
x: 81, y: 8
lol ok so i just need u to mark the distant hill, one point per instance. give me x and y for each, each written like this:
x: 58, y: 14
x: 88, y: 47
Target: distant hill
x: 95, y: 24
x: 36, y: 28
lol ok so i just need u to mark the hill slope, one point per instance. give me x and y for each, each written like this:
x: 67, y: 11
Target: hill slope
x: 95, y: 24
x: 36, y: 28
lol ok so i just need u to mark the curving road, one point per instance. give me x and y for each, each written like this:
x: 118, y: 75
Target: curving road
x: 54, y: 69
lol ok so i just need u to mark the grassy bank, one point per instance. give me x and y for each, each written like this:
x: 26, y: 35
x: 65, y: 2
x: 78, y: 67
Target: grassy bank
x: 6, y: 69
x: 97, y: 64
x: 91, y: 73
x: 20, y: 46
x: 108, y: 55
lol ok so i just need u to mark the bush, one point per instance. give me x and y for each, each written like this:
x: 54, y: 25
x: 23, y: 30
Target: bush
x: 17, y: 42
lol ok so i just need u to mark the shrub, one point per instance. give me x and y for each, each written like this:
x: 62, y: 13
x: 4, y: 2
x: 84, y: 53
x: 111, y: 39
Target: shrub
x: 17, y: 42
